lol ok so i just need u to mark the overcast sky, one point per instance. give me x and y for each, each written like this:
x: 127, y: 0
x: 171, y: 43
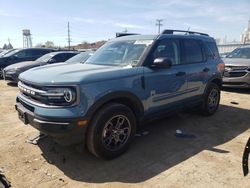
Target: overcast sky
x: 92, y: 20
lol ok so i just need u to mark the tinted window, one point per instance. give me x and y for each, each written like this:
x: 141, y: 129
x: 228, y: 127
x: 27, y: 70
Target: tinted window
x: 40, y: 52
x: 63, y: 57
x: 169, y: 49
x: 21, y: 54
x: 193, y: 51
x: 69, y: 55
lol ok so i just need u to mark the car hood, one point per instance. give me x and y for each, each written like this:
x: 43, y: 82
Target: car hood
x: 236, y: 62
x: 64, y: 73
x: 22, y: 65
x: 3, y: 59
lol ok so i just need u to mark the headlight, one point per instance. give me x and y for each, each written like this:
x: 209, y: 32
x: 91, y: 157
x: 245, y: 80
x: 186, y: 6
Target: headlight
x: 60, y: 96
x: 11, y: 70
x: 69, y: 95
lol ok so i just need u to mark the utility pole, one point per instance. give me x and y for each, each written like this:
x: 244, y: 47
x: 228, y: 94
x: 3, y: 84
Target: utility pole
x: 69, y: 39
x: 159, y: 24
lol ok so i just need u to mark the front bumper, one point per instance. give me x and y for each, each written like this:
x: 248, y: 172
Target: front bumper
x: 237, y: 82
x: 64, y: 130
x: 10, y: 76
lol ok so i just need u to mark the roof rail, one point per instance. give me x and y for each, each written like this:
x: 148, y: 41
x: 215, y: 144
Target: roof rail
x: 169, y: 31
x: 125, y: 34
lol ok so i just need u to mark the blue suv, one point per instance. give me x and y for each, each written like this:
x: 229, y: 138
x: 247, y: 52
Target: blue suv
x: 103, y: 101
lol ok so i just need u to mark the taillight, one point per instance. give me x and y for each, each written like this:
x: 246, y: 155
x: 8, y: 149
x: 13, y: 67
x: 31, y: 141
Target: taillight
x: 221, y: 66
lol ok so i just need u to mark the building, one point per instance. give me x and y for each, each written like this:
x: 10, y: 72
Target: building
x: 245, y: 37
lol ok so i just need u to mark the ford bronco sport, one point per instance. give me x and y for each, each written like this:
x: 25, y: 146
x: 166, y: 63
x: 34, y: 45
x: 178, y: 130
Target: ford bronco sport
x: 128, y: 80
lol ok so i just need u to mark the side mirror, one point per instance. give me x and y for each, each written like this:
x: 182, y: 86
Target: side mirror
x: 162, y: 62
x: 51, y: 60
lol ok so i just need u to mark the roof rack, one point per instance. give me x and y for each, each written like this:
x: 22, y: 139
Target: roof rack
x: 125, y: 34
x: 169, y: 31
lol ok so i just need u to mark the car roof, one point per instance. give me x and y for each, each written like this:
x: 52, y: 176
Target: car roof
x: 37, y: 49
x: 63, y: 52
x: 188, y: 36
x: 162, y: 36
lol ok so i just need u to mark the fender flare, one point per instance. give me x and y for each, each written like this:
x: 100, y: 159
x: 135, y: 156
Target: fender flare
x: 137, y: 104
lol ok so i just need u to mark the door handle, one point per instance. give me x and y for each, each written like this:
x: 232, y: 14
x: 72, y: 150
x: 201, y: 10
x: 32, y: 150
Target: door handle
x: 180, y: 74
x: 206, y: 69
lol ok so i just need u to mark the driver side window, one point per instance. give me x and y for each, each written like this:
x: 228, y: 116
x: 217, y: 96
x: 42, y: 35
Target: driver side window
x: 21, y: 54
x: 168, y: 49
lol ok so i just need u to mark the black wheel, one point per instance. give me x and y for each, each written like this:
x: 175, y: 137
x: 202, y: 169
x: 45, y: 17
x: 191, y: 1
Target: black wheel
x: 1, y: 73
x: 111, y: 131
x: 211, y: 100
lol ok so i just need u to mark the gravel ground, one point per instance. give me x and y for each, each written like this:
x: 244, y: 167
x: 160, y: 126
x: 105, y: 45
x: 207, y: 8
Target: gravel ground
x: 157, y: 159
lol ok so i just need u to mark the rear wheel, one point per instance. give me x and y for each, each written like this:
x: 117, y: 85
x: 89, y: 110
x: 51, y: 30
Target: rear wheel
x: 211, y: 100
x: 111, y: 131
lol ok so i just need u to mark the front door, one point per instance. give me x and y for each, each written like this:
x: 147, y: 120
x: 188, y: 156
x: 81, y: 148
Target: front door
x: 165, y: 86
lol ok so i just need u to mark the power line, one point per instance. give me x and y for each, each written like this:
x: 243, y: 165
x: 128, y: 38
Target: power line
x: 159, y: 24
x: 69, y: 39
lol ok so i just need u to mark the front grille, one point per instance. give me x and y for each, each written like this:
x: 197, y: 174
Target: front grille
x: 48, y: 95
x: 30, y: 108
x: 234, y: 74
x: 235, y: 71
x: 235, y: 83
x: 238, y: 68
x: 31, y: 91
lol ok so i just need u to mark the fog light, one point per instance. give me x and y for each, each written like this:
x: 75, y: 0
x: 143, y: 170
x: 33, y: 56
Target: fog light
x: 82, y: 122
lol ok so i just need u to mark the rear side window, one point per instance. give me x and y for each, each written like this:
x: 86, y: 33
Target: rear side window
x: 193, y: 51
x: 63, y: 57
x: 40, y: 52
x: 35, y: 52
x: 213, y: 48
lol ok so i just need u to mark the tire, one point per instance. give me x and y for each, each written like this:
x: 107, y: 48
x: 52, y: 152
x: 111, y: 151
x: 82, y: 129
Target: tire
x: 211, y: 100
x: 111, y: 131
x: 1, y: 73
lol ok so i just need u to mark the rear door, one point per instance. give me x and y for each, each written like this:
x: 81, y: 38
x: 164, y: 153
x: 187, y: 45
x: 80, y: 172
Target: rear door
x: 198, y: 68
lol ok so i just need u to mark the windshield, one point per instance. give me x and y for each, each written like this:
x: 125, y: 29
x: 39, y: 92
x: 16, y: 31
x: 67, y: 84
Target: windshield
x: 45, y: 58
x: 240, y: 53
x: 79, y: 58
x: 11, y: 53
x: 5, y: 52
x: 120, y: 53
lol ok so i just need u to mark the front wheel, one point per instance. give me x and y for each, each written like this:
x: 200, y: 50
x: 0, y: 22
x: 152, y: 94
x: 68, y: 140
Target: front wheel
x: 1, y: 73
x: 211, y: 100
x: 111, y: 131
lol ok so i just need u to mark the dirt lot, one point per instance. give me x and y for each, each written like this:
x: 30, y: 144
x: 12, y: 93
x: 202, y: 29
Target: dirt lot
x: 158, y: 159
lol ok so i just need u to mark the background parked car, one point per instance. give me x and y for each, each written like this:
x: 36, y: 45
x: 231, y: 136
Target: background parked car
x: 12, y: 72
x: 19, y: 55
x: 4, y: 52
x: 81, y: 57
x: 237, y: 68
x: 225, y: 54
